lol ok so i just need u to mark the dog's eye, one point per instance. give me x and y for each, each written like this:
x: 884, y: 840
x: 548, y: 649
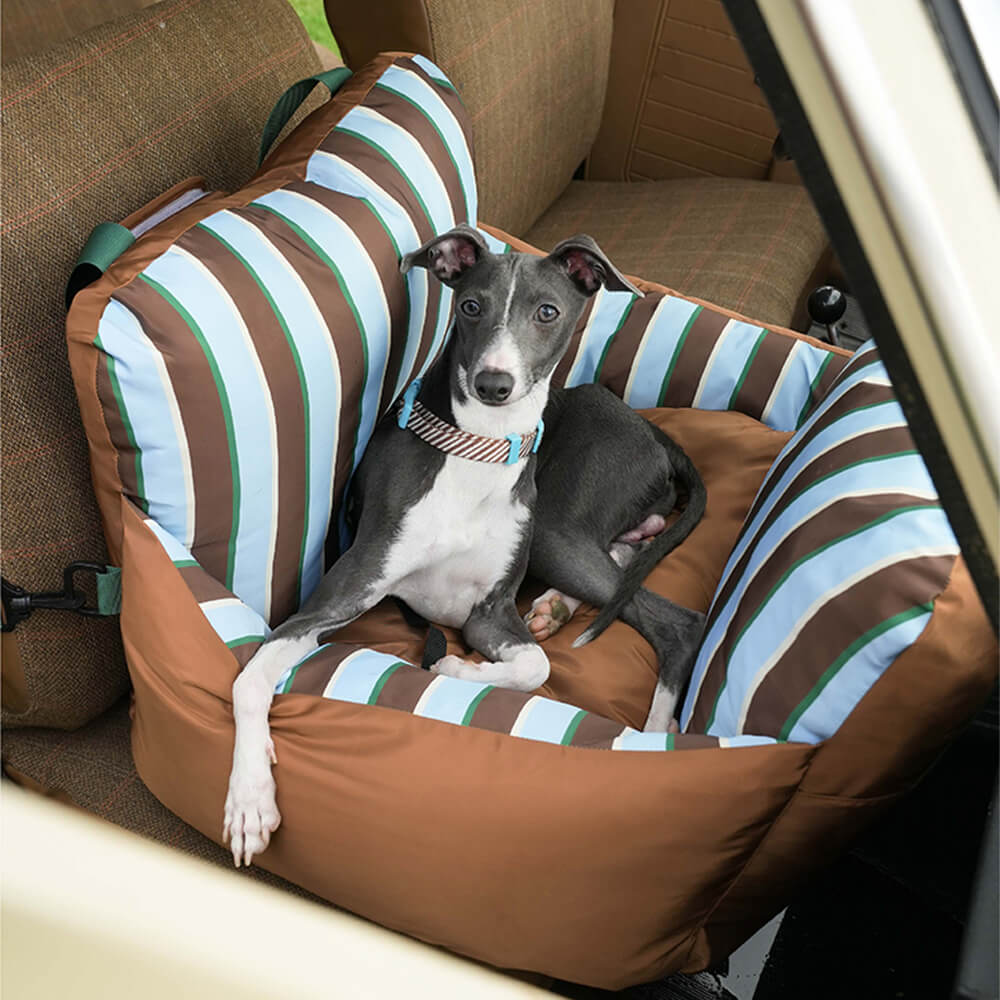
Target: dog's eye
x: 546, y: 313
x: 470, y: 307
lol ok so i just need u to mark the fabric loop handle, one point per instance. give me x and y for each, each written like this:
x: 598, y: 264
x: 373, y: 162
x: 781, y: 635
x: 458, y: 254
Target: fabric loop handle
x: 292, y: 98
x: 106, y: 243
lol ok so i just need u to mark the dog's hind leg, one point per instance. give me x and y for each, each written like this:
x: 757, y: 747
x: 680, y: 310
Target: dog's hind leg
x: 513, y: 659
x: 251, y: 812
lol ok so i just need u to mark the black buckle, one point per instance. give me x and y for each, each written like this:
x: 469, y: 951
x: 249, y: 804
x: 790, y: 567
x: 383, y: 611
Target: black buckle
x: 18, y: 603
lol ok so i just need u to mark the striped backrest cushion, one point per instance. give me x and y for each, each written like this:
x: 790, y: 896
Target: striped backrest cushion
x: 834, y: 574
x: 245, y: 367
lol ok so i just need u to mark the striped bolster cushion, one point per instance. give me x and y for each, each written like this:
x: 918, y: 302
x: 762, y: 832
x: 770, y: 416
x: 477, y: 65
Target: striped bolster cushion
x: 664, y: 350
x: 244, y: 369
x: 834, y: 575
x: 349, y: 672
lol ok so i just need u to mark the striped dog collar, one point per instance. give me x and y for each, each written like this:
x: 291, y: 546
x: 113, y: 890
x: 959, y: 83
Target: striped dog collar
x: 416, y: 417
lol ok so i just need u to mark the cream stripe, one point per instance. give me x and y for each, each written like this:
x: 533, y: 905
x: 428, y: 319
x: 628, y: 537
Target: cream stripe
x: 707, y: 370
x: 272, y: 421
x: 219, y: 602
x: 616, y: 743
x: 821, y: 601
x: 418, y: 709
x: 523, y: 715
x: 780, y: 381
x: 328, y: 691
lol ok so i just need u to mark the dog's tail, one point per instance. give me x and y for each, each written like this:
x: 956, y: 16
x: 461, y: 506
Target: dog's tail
x: 642, y: 565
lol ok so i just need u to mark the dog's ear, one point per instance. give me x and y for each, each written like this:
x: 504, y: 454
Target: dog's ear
x: 449, y: 256
x: 588, y: 268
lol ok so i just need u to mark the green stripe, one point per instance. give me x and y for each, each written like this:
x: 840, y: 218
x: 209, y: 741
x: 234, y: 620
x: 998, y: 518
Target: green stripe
x: 291, y: 679
x: 227, y: 415
x: 746, y: 369
x: 380, y: 683
x: 807, y: 405
x: 670, y: 742
x: 185, y: 563
x: 323, y: 256
x: 572, y: 728
x: 243, y: 640
x: 444, y: 142
x: 677, y: 353
x: 474, y: 704
x: 852, y: 649
x: 794, y: 566
x: 116, y: 389
x: 608, y: 342
x: 402, y: 173
x: 303, y: 391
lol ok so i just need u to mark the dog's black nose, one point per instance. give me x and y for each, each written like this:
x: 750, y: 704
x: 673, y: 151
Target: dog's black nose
x: 494, y: 386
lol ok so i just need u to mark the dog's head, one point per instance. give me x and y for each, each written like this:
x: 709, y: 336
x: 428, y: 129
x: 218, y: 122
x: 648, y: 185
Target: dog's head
x: 515, y: 313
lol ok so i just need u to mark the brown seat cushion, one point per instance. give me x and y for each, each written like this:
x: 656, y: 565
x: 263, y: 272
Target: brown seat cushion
x: 749, y: 246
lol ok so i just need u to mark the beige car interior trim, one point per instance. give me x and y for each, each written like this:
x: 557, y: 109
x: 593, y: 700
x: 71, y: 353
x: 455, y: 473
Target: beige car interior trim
x: 91, y: 911
x: 897, y: 138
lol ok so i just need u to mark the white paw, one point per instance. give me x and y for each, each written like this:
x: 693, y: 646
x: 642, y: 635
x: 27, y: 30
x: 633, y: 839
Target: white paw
x: 251, y: 812
x: 455, y: 666
x: 548, y: 614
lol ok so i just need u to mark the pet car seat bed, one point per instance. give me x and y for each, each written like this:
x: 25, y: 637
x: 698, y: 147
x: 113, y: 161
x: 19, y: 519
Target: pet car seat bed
x: 230, y: 366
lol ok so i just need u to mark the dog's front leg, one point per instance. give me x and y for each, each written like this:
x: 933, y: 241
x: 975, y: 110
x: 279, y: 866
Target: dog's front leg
x: 251, y: 811
x: 514, y: 659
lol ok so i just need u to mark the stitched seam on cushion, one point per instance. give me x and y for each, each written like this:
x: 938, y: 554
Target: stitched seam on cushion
x: 54, y: 204
x: 84, y: 60
x: 647, y: 76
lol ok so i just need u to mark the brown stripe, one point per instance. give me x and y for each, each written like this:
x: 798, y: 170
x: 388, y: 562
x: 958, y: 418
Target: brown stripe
x: 314, y: 675
x: 764, y: 371
x: 884, y: 442
x: 567, y: 361
x: 451, y: 100
x: 373, y: 236
x: 202, y: 585
x: 697, y: 348
x: 281, y: 373
x: 625, y: 343
x: 834, y: 627
x: 498, y: 711
x: 116, y: 429
x: 339, y: 320
x: 202, y: 419
x: 244, y: 654
x: 404, y: 688
x: 695, y: 741
x: 857, y: 396
x: 595, y: 732
x: 412, y: 120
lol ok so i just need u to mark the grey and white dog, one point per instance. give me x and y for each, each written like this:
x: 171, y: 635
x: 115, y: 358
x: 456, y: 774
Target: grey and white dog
x: 453, y: 537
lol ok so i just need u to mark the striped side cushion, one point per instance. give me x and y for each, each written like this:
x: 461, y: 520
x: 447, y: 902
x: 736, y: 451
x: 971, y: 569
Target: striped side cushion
x: 664, y: 350
x: 244, y: 369
x: 349, y: 672
x: 834, y: 575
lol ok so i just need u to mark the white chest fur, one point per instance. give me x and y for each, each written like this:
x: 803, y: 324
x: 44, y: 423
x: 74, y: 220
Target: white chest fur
x: 457, y: 541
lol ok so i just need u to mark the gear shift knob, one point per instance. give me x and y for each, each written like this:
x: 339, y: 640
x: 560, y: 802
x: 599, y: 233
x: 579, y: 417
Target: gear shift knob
x: 826, y: 306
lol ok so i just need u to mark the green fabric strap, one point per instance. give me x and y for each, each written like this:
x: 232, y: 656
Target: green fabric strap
x: 290, y: 100
x: 105, y: 244
x: 109, y: 591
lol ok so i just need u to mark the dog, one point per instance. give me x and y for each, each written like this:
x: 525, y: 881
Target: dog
x: 447, y: 511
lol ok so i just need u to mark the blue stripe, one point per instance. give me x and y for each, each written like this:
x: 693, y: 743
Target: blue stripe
x: 603, y: 324
x: 633, y: 739
x: 738, y: 341
x: 336, y: 238
x: 450, y: 700
x: 910, y: 533
x: 312, y: 341
x: 495, y: 245
x: 853, y: 681
x: 149, y: 414
x: 356, y: 678
x: 794, y: 391
x: 547, y: 721
x: 421, y: 93
x: 733, y: 742
x: 233, y: 621
x: 400, y: 145
x: 215, y: 314
x: 431, y: 69
x: 651, y: 365
x: 173, y: 548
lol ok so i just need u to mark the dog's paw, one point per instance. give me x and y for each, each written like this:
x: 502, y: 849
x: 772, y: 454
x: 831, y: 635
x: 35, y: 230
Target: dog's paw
x: 455, y: 666
x: 548, y: 614
x: 251, y: 812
